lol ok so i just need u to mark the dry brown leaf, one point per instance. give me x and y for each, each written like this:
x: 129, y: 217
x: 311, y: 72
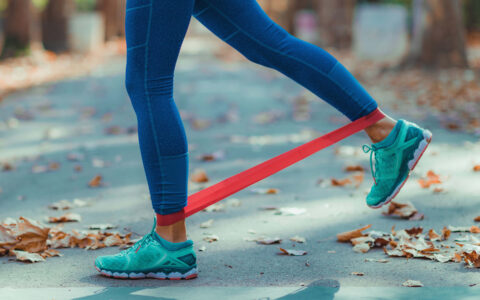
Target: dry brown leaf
x: 292, y: 252
x: 354, y: 168
x: 361, y: 248
x: 347, y: 236
x: 50, y: 253
x: 340, y: 182
x: 477, y: 219
x: 265, y: 190
x: 433, y: 236
x: 68, y: 217
x: 96, y: 181
x: 27, y: 256
x: 268, y: 241
x: 472, y: 259
x: 446, y: 233
x: 357, y: 273
x: 412, y: 283
x: 206, y: 224
x: 414, y: 231
x: 214, y: 156
x: 403, y: 210
x: 211, y: 238
x: 26, y: 234
x: 298, y: 239
x: 429, y: 179
x: 474, y: 229
x: 199, y: 175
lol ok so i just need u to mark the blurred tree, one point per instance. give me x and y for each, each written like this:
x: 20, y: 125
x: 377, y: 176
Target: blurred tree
x: 18, y: 29
x: 55, y: 25
x: 114, y: 17
x: 438, y: 39
x: 335, y: 22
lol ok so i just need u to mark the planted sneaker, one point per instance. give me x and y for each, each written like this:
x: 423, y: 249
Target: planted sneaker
x: 151, y: 257
x: 395, y: 157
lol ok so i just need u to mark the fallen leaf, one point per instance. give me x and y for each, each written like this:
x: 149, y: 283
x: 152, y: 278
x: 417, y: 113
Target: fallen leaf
x: 412, y: 283
x: 234, y: 202
x: 268, y: 241
x: 476, y: 168
x: 347, y: 236
x: 381, y: 260
x: 431, y: 178
x: 474, y: 229
x: 211, y: 238
x: 354, y: 168
x: 214, y: 156
x: 101, y: 226
x: 433, y: 236
x: 215, y: 207
x: 361, y: 248
x: 26, y: 234
x: 290, y: 211
x: 446, y: 233
x: 298, y: 239
x: 357, y: 273
x: 340, y: 182
x: 477, y: 219
x: 402, y: 210
x: 50, y: 253
x: 68, y: 217
x: 27, y: 256
x: 206, y: 224
x: 199, y: 175
x: 292, y: 252
x: 459, y: 229
x: 96, y: 181
x: 265, y: 190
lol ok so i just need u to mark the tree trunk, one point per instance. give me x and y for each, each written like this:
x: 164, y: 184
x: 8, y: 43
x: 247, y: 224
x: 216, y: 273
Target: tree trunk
x: 335, y: 22
x: 113, y: 12
x: 18, y: 27
x: 55, y: 25
x: 438, y: 39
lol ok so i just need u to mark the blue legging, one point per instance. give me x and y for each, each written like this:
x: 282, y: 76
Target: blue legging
x: 155, y: 30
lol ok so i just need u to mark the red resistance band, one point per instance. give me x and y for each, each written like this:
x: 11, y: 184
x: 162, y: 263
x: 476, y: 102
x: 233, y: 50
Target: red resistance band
x: 235, y: 183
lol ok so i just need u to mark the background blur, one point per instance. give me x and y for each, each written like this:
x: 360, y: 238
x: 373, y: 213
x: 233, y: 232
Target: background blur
x: 69, y: 149
x: 45, y: 40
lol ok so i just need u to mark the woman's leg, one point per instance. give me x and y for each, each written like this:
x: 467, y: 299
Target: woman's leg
x: 245, y: 26
x: 154, y: 32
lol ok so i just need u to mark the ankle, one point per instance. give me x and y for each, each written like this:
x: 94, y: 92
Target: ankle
x: 175, y: 233
x: 380, y: 130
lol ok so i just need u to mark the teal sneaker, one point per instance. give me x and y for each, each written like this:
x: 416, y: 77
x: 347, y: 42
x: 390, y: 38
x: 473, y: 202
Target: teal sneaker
x: 395, y: 157
x: 151, y: 257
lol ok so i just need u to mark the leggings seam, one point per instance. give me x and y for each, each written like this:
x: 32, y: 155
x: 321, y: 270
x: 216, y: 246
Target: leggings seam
x: 231, y: 35
x: 150, y: 114
x: 138, y: 46
x: 201, y: 12
x: 138, y: 7
x: 281, y: 53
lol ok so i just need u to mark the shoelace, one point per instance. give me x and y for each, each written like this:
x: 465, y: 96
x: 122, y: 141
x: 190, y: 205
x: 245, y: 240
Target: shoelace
x: 138, y: 244
x: 372, y: 150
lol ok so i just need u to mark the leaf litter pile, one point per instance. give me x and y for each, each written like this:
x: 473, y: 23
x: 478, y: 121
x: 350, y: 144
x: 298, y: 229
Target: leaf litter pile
x: 415, y: 243
x: 31, y: 241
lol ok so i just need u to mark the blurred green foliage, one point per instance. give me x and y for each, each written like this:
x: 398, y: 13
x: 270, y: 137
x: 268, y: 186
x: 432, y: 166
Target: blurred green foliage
x: 85, y: 5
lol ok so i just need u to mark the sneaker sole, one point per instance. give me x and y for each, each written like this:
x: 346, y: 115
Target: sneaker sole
x: 417, y: 154
x: 156, y: 275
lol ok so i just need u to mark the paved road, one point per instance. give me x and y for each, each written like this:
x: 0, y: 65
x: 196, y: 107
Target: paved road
x: 64, y: 122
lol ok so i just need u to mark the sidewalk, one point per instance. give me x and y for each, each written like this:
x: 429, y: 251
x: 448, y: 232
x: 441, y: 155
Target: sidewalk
x: 72, y: 116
